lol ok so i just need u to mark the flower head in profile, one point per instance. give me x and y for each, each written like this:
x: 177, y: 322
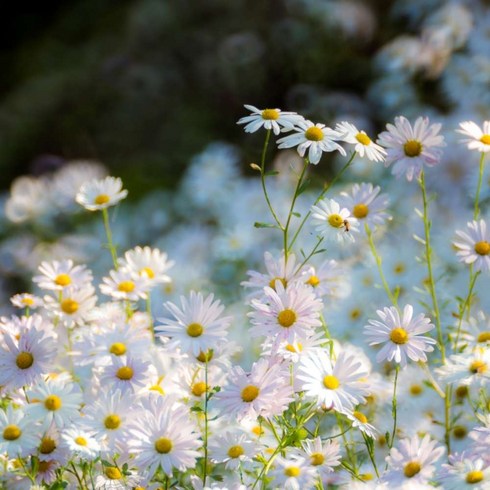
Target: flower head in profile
x: 473, y: 246
x: 274, y: 119
x: 334, y: 222
x: 364, y: 145
x: 101, y: 194
x: 410, y: 148
x: 316, y: 138
x: 400, y: 335
x: 466, y: 471
x: 477, y: 138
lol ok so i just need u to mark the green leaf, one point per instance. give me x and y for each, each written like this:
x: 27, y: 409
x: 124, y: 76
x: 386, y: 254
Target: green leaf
x: 259, y: 224
x: 298, y: 215
x: 271, y: 172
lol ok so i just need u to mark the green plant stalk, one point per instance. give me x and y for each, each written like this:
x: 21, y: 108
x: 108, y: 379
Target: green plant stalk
x: 370, y: 450
x: 394, y: 407
x: 205, y: 435
x: 110, y: 243
x: 476, y: 212
x: 466, y: 304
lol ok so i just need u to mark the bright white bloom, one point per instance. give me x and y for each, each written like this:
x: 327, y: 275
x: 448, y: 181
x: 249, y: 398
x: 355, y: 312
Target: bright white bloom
x: 148, y: 262
x: 409, y: 149
x: 477, y: 138
x: 360, y: 421
x: 196, y: 326
x: 81, y: 442
x: 412, y: 462
x: 473, y: 247
x: 164, y: 437
x: 274, y: 119
x: 57, y: 275
x: 75, y: 305
x: 467, y: 368
x: 113, y: 478
x: 292, y: 473
x: 333, y: 222
x: 26, y: 300
x: 286, y: 313
x: 233, y: 448
x: 18, y: 436
x: 364, y: 145
x: 401, y: 335
x: 125, y: 373
x: 125, y: 285
x: 316, y: 138
x: 466, y: 471
x: 51, y: 447
x: 329, y: 279
x: 333, y: 384
x: 366, y: 204
x: 100, y: 194
x: 323, y: 455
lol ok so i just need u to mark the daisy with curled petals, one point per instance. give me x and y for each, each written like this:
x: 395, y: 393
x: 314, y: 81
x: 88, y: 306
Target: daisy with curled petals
x: 401, y: 335
x: 333, y: 222
x: 18, y: 435
x: 286, y: 313
x: 125, y: 285
x: 364, y: 145
x: 473, y: 246
x: 332, y: 384
x: 25, y: 360
x: 410, y: 148
x: 292, y: 473
x: 57, y: 275
x: 477, y: 138
x: 164, y: 437
x: 100, y: 194
x: 323, y: 455
x: 466, y: 471
x: 148, y: 262
x: 197, y: 326
x: 264, y: 391
x: 274, y: 119
x: 412, y: 462
x: 27, y: 301
x: 316, y: 138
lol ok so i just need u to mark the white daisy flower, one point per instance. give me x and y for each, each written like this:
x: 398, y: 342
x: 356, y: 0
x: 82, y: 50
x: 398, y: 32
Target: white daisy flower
x: 360, y: 421
x: 292, y: 473
x: 467, y: 368
x: 51, y: 447
x: 477, y: 138
x: 57, y: 275
x: 475, y: 332
x: 234, y: 448
x: 286, y: 313
x: 148, y: 262
x: 327, y: 280
x: 412, y: 462
x: 100, y: 194
x: 113, y: 478
x: 54, y: 402
x: 26, y: 300
x: 164, y: 437
x: 466, y: 471
x: 274, y: 119
x: 364, y: 145
x: 197, y: 326
x: 333, y: 384
x: 18, y: 435
x: 401, y: 335
x: 25, y: 360
x: 125, y: 285
x: 316, y: 138
x: 473, y: 247
x: 333, y: 222
x: 366, y: 204
x: 81, y: 442
x: 409, y: 149
x: 324, y: 456
x: 46, y: 472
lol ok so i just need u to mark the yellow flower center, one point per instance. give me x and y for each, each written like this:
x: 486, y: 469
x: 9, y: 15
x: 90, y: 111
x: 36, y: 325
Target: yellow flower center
x: 124, y: 373
x: 331, y: 382
x: 366, y: 476
x: 205, y: 356
x: 459, y: 432
x: 482, y: 248
x: 399, y: 336
x: 484, y: 337
x: 62, y: 280
x: 475, y: 476
x: 355, y: 313
x: 336, y: 220
x: 118, y: 349
x: 198, y: 389
x: 11, y: 433
x: 292, y: 471
x: 47, y: 445
x: 158, y: 389
x: 360, y: 416
x: 314, y: 134
x: 461, y: 391
x: 112, y: 422
x: 286, y: 318
x: 44, y: 466
x: 126, y: 286
x: 485, y: 139
x: 411, y: 469
x: 24, y: 360
x: 250, y: 393
x: 313, y: 281
x: 363, y: 138
x: 399, y: 268
x: 416, y: 390
x: 270, y: 114
x: 292, y: 348
x: 317, y: 459
x: 69, y: 306
x: 272, y: 282
x: 53, y: 403
x: 235, y: 452
x: 163, y: 445
x: 478, y: 367
x: 28, y: 301
x: 148, y: 271
x: 81, y: 441
x: 101, y: 199
x: 360, y: 211
x: 195, y: 330
x: 412, y: 148
x: 112, y: 473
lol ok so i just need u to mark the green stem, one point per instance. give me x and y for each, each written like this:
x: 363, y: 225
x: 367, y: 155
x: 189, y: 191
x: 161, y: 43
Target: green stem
x: 308, y: 257
x: 370, y: 450
x: 394, y: 407
x: 447, y: 418
x: 466, y: 304
x: 110, y: 243
x: 476, y: 212
x: 205, y: 435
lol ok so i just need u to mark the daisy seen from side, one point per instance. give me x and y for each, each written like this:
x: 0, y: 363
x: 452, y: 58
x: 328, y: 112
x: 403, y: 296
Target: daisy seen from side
x: 100, y: 194
x: 473, y: 245
x: 149, y: 262
x: 270, y: 119
x: 465, y: 471
x: 477, y: 138
x: 58, y: 275
x: 364, y: 145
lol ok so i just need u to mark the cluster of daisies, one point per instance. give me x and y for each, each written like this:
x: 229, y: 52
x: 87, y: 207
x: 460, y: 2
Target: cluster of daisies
x: 345, y: 363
